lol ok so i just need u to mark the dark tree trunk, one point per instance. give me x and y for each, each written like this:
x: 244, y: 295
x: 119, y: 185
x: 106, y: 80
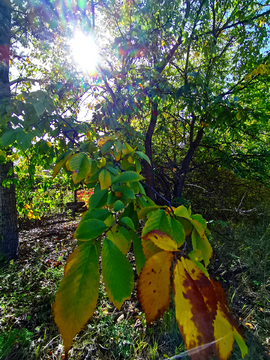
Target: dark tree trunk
x: 8, y: 216
x: 185, y: 164
x: 148, y: 151
x: 8, y: 213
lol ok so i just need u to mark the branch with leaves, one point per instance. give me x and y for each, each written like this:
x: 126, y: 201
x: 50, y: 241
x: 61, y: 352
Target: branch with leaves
x: 109, y: 228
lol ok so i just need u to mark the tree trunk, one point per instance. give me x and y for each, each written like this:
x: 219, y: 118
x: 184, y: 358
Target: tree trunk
x: 185, y: 164
x: 8, y: 216
x: 148, y: 151
x: 8, y: 213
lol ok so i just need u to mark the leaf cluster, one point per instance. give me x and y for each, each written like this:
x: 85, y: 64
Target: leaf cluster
x: 108, y: 230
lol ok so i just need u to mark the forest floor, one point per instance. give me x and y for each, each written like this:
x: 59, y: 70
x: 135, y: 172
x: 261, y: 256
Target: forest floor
x: 28, y: 286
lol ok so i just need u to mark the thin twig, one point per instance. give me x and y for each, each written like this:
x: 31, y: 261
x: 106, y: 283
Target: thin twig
x: 167, y: 201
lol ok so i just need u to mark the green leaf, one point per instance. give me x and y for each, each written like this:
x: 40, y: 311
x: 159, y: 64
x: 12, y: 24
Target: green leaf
x: 117, y: 274
x: 79, y: 164
x: 60, y: 162
x: 77, y: 295
x: 178, y: 232
x: 144, y: 211
x: 135, y: 187
x: 112, y: 170
x: 128, y: 222
x: 101, y: 214
x: 9, y: 137
x: 157, y: 221
x: 126, y: 191
x: 142, y: 191
x: 98, y: 199
x: 195, y: 256
x: 132, y: 214
x: 104, y: 179
x: 143, y: 156
x: 24, y: 140
x: 238, y: 338
x: 182, y: 211
x: 188, y: 227
x: 106, y: 147
x: 49, y: 106
x: 118, y: 205
x: 90, y: 229
x: 138, y: 167
x: 127, y: 176
x: 121, y: 240
x: 138, y: 252
x: 39, y: 107
x: 111, y: 199
x: 199, y: 223
x: 183, y: 90
x: 202, y: 244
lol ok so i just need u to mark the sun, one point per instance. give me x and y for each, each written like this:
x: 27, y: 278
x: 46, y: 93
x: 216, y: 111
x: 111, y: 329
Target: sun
x: 85, y: 52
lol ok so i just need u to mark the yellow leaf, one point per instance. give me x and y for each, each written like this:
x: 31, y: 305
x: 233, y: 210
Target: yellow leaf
x: 104, y: 179
x: 191, y: 312
x: 130, y: 159
x: 162, y: 240
x: 238, y: 115
x: 118, y: 156
x: 120, y: 241
x: 60, y: 164
x: 182, y: 211
x: 149, y: 249
x: 225, y: 328
x: 202, y: 313
x: 102, y: 141
x: 154, y: 285
x: 255, y: 72
x: 223, y: 331
x: 101, y: 162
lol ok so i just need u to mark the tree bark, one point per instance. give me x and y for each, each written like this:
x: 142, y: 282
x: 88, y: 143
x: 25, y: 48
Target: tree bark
x: 8, y: 214
x: 185, y: 164
x: 148, y: 151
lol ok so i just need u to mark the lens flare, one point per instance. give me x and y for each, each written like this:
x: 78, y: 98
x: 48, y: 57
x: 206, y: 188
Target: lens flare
x: 85, y: 52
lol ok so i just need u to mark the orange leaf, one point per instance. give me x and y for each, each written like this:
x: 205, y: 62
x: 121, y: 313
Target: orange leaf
x: 162, y: 240
x: 154, y: 285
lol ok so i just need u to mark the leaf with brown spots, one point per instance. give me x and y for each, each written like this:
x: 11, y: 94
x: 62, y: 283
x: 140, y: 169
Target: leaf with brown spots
x: 195, y: 324
x: 162, y: 240
x: 202, y: 313
x: 154, y: 285
x: 225, y: 327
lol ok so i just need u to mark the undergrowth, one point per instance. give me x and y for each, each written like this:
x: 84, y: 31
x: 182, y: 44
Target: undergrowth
x: 242, y: 264
x: 28, y: 285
